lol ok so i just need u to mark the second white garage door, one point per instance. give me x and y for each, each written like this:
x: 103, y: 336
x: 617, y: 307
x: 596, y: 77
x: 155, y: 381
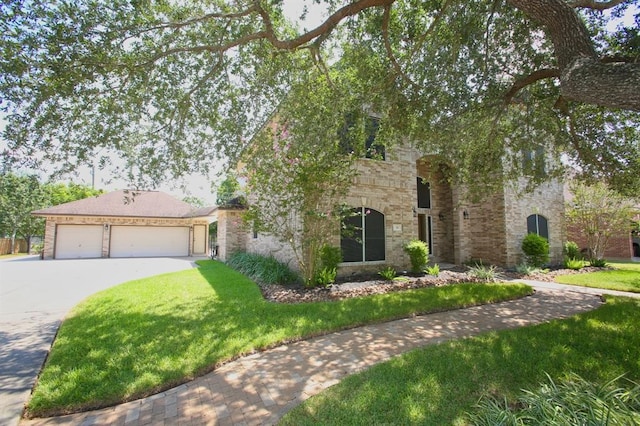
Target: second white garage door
x: 149, y: 241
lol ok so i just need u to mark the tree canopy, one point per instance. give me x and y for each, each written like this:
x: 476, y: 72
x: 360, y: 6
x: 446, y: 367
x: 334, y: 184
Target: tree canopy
x: 170, y: 86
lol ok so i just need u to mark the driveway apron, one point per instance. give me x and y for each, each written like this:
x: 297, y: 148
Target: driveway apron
x: 35, y: 295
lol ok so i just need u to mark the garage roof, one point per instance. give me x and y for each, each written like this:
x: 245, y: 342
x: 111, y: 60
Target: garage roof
x: 129, y: 203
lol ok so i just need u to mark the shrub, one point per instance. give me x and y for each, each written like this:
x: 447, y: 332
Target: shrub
x: 484, y: 273
x: 598, y: 263
x: 574, y: 401
x: 326, y: 276
x: 418, y: 252
x: 536, y: 249
x: 525, y: 269
x: 263, y: 269
x: 433, y: 270
x: 330, y: 258
x: 571, y: 250
x: 575, y: 264
x: 388, y: 273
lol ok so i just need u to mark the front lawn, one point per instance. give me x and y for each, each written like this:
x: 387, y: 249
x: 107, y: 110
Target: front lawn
x: 438, y: 384
x: 625, y: 277
x: 147, y: 335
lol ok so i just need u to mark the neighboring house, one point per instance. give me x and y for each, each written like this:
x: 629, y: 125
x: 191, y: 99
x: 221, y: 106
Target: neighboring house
x: 125, y: 224
x: 403, y: 195
x: 622, y: 246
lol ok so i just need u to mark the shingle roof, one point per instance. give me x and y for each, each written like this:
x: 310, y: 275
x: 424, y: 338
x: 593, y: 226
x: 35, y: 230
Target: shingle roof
x: 129, y: 203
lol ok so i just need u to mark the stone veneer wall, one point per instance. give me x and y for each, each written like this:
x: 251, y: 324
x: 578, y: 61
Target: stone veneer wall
x: 546, y: 200
x: 48, y: 249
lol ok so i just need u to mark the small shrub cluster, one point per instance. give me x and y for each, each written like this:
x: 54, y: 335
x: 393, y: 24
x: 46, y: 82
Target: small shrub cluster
x: 330, y: 258
x: 526, y: 269
x: 388, y: 273
x: 536, y: 250
x: 598, y: 263
x: 574, y: 401
x: 572, y: 256
x: 484, y: 273
x: 263, y: 269
x: 433, y: 270
x: 418, y: 252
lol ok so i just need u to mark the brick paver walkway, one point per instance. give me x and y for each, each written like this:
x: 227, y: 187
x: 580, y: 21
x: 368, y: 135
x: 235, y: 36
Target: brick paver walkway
x: 260, y: 388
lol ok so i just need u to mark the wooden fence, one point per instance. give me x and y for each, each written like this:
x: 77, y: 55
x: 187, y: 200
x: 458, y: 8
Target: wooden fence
x: 5, y: 246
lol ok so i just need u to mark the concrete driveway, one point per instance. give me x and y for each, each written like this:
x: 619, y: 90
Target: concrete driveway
x: 35, y: 295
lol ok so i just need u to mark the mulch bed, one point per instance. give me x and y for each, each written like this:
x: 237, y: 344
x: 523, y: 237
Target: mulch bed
x: 357, y: 286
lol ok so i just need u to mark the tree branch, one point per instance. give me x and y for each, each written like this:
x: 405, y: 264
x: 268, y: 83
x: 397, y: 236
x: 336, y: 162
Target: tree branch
x: 387, y: 46
x: 530, y: 79
x: 595, y: 5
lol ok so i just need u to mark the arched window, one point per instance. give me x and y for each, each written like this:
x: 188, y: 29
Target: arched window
x: 363, y: 237
x: 537, y: 224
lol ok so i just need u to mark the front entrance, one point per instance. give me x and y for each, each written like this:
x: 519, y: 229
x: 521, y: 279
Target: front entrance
x: 425, y: 231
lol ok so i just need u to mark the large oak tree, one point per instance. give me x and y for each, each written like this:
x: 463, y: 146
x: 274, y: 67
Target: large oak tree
x: 171, y: 85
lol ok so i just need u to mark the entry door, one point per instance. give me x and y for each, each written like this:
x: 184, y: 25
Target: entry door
x: 425, y: 231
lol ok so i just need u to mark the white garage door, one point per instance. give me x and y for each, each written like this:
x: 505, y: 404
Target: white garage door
x: 149, y: 241
x: 78, y: 241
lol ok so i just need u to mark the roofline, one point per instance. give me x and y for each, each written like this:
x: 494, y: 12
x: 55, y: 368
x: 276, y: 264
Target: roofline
x: 110, y: 215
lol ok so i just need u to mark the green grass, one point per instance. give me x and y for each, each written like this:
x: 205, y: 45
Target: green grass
x: 438, y: 384
x: 143, y: 336
x: 625, y: 277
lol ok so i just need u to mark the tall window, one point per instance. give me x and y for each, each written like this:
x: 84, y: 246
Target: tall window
x: 533, y: 161
x: 364, y: 237
x: 537, y: 224
x: 424, y: 194
x: 371, y: 146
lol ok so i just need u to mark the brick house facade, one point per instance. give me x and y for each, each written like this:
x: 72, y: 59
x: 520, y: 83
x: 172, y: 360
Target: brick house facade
x: 406, y: 197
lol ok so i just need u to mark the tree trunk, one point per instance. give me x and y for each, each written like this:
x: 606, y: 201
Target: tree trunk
x: 583, y: 77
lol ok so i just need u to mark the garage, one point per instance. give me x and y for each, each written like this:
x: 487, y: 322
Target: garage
x: 149, y: 241
x: 78, y: 241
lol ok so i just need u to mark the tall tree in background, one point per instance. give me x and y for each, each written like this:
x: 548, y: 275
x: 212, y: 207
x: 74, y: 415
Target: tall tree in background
x: 172, y: 85
x: 19, y: 196
x: 22, y: 194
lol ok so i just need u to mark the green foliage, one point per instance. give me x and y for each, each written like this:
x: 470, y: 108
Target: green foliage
x: 572, y: 401
x: 571, y: 250
x: 388, y: 273
x: 263, y: 269
x: 418, y: 252
x: 324, y: 277
x: 526, y: 269
x: 85, y: 78
x: 598, y: 263
x: 330, y: 257
x: 297, y: 173
x: 623, y: 277
x: 599, y: 213
x: 485, y: 273
x: 227, y: 190
x: 572, y: 263
x: 433, y: 270
x: 536, y: 249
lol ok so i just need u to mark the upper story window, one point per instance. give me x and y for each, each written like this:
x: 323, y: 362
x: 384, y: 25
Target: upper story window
x: 533, y: 160
x: 537, y: 224
x: 364, y: 240
x: 370, y: 147
x: 424, y: 194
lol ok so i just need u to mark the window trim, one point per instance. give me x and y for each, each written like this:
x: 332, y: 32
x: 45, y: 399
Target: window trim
x: 363, y: 232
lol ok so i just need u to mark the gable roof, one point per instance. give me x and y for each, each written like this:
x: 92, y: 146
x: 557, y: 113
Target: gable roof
x: 128, y: 203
